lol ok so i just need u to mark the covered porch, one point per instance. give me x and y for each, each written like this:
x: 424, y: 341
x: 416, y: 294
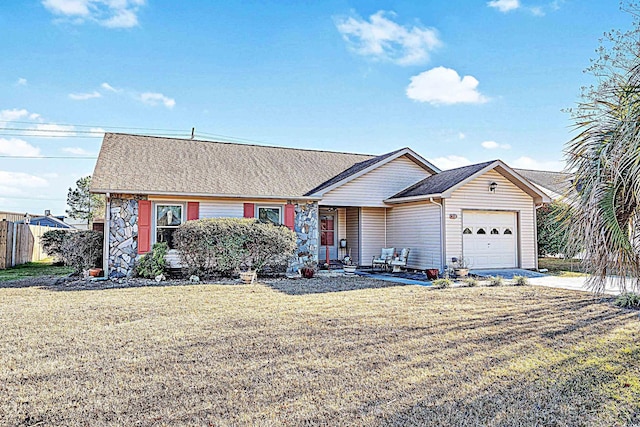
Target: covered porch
x: 361, y: 232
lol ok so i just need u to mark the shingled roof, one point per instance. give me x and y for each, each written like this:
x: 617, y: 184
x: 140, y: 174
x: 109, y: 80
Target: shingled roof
x: 558, y: 182
x: 156, y: 165
x: 441, y: 182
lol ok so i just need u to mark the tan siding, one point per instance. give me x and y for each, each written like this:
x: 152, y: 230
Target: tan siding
x: 416, y: 226
x: 373, y: 187
x: 222, y: 208
x: 372, y: 233
x: 352, y: 230
x: 508, y: 197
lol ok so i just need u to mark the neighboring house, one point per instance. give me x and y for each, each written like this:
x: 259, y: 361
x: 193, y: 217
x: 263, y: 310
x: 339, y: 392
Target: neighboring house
x: 555, y: 184
x: 49, y: 221
x: 484, y: 212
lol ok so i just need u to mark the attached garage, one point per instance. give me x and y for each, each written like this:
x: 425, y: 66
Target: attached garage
x: 489, y: 239
x: 488, y: 214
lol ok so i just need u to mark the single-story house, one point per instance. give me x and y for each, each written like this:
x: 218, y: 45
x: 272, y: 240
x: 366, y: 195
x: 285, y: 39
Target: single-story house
x: 337, y: 203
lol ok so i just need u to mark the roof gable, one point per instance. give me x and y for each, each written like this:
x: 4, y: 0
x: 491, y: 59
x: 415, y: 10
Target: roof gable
x: 360, y: 169
x: 442, y: 185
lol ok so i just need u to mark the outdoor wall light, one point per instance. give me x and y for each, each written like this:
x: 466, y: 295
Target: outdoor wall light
x: 493, y: 186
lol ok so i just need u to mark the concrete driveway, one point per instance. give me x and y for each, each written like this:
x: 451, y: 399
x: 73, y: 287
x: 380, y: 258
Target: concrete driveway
x: 573, y: 283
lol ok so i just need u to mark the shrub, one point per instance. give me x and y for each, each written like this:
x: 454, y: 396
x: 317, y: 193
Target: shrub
x: 52, y: 242
x: 442, y: 283
x: 153, y: 263
x: 82, y: 250
x: 471, y: 282
x: 520, y: 281
x: 222, y: 246
x: 496, y: 281
x: 628, y: 300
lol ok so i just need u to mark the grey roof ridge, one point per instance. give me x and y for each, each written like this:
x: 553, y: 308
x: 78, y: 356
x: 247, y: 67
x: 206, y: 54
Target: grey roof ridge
x: 244, y: 144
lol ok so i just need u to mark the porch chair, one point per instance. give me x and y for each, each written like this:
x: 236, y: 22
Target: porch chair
x: 400, y: 262
x: 384, y: 260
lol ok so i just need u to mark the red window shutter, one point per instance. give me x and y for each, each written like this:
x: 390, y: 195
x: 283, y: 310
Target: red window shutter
x: 193, y: 211
x: 289, y: 215
x: 249, y: 210
x: 144, y: 226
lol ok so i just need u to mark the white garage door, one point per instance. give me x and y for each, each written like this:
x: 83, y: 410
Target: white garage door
x: 489, y: 239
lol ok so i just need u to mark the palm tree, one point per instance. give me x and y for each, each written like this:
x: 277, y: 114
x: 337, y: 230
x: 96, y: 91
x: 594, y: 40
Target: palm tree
x: 604, y: 220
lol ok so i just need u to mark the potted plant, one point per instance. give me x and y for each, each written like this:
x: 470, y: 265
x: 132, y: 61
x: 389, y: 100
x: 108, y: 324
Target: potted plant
x: 460, y: 266
x: 348, y: 266
x: 308, y: 270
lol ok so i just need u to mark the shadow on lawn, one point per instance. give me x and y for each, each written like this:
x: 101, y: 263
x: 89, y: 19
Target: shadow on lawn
x: 321, y: 285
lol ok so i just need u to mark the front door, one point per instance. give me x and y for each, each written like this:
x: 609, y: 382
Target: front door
x: 328, y: 236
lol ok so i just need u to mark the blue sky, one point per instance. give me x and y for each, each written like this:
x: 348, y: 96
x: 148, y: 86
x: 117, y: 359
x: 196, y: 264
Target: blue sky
x: 459, y: 82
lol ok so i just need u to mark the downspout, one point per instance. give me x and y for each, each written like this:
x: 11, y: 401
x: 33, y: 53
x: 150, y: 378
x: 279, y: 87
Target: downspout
x: 442, y: 243
x: 105, y: 243
x: 385, y: 227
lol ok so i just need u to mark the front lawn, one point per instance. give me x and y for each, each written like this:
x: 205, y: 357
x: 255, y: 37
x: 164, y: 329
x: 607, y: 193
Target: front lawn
x: 34, y: 269
x: 273, y: 354
x: 564, y: 267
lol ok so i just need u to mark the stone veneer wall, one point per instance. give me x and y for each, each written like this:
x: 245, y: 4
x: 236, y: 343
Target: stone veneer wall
x: 123, y: 235
x: 306, y: 227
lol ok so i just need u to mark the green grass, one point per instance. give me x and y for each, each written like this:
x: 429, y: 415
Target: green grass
x: 34, y: 269
x: 561, y: 266
x: 271, y: 355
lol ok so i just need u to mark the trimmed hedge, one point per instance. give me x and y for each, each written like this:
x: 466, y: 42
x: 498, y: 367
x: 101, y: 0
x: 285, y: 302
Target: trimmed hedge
x: 224, y: 246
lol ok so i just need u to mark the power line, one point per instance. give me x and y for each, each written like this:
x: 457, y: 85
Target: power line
x: 47, y: 157
x: 27, y: 198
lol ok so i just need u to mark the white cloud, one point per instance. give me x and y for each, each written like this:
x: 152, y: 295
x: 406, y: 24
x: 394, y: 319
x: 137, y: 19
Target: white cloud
x: 85, y: 96
x: 12, y: 115
x: 383, y: 39
x: 99, y: 131
x: 525, y: 162
x: 442, y: 85
x: 14, y: 183
x: 21, y: 81
x: 108, y: 13
x: 18, y: 147
x: 51, y: 130
x: 461, y: 135
x: 77, y: 151
x: 504, y: 6
x: 492, y: 145
x: 154, y: 99
x: 107, y: 86
x: 450, y: 162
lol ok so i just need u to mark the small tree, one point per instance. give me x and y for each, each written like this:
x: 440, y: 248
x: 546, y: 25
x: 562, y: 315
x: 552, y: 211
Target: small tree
x: 82, y: 204
x: 552, y: 229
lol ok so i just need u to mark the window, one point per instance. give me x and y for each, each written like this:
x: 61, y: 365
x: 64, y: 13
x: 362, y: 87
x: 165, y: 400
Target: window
x: 467, y: 231
x: 507, y: 231
x: 272, y: 214
x: 494, y: 231
x: 481, y: 231
x: 168, y: 218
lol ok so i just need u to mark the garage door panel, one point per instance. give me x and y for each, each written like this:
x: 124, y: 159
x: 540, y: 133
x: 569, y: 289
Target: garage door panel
x: 489, y: 239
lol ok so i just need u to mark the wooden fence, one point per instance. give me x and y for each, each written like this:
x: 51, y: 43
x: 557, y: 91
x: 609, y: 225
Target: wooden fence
x: 20, y: 243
